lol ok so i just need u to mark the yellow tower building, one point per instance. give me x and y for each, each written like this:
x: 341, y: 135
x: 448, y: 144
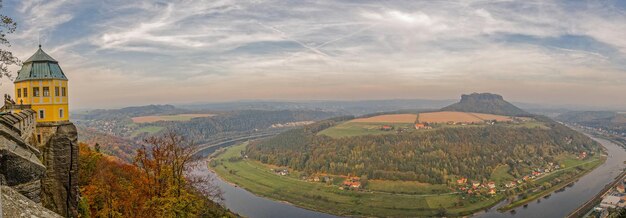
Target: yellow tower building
x: 42, y: 85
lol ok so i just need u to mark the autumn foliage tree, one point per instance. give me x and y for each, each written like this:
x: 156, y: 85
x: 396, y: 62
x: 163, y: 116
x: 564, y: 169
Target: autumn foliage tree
x: 165, y: 163
x: 158, y: 183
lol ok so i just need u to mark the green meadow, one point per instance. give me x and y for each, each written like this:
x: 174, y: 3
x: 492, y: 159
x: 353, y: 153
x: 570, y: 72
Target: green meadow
x: 350, y: 129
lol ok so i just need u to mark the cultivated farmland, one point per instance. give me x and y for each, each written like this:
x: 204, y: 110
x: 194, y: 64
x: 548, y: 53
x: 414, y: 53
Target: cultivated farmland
x: 449, y: 116
x: 389, y: 118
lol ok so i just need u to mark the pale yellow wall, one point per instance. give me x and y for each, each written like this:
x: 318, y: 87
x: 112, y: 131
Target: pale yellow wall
x: 51, y: 104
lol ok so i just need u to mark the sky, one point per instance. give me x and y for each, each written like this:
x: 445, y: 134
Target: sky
x: 120, y: 53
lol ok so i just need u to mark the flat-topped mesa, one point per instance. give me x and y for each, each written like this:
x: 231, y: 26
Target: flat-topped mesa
x: 486, y: 103
x: 481, y: 97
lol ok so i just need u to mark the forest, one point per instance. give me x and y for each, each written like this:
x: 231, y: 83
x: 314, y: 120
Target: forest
x: 201, y: 129
x: 434, y: 157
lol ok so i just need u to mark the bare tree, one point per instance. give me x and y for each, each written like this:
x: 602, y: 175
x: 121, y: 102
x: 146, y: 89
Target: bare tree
x: 7, y: 26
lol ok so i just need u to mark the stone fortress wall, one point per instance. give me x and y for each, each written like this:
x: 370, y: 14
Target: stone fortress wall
x: 43, y: 170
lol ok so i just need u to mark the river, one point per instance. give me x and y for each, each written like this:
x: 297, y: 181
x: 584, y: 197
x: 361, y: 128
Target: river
x: 559, y: 204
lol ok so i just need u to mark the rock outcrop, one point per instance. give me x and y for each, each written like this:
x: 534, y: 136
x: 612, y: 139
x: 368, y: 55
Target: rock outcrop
x: 20, y: 167
x: 13, y: 204
x: 60, y: 156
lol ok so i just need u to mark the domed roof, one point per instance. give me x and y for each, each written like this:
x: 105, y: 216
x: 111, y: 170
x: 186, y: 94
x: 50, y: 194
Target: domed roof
x: 40, y: 66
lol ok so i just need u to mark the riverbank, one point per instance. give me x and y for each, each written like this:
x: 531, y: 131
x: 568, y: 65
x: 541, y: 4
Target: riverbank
x: 586, y: 168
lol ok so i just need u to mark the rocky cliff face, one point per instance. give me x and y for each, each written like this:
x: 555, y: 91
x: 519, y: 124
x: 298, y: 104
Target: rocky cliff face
x: 59, y: 186
x: 20, y: 168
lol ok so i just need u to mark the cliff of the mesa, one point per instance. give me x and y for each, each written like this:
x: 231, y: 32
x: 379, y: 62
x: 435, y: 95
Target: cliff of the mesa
x: 485, y: 103
x: 39, y: 162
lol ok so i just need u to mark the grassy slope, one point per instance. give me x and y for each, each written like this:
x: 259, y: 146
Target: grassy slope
x: 406, y: 187
x: 147, y: 129
x: 258, y: 179
x: 349, y: 129
x: 501, y: 175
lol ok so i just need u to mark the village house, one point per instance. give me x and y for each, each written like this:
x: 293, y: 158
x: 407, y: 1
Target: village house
x: 282, y: 172
x: 510, y: 184
x: 620, y: 188
x: 491, y: 185
x: 475, y: 184
x: 422, y: 126
x: 462, y: 180
x: 492, y: 191
x: 352, y: 182
x: 610, y: 202
x: 386, y: 128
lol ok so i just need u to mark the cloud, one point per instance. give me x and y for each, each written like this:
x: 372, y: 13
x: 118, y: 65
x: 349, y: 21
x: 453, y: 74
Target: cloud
x: 221, y: 50
x: 43, y: 17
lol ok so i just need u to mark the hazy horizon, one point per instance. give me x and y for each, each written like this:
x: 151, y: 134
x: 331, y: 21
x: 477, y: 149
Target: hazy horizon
x: 523, y: 105
x: 118, y: 54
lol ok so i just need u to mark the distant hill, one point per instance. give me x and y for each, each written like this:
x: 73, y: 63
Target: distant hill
x: 344, y: 107
x: 614, y: 122
x: 101, y: 114
x: 485, y: 103
x: 593, y: 117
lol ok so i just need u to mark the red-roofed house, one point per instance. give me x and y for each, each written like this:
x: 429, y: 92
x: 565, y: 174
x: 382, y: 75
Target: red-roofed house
x: 461, y: 181
x: 422, y: 126
x: 475, y: 184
